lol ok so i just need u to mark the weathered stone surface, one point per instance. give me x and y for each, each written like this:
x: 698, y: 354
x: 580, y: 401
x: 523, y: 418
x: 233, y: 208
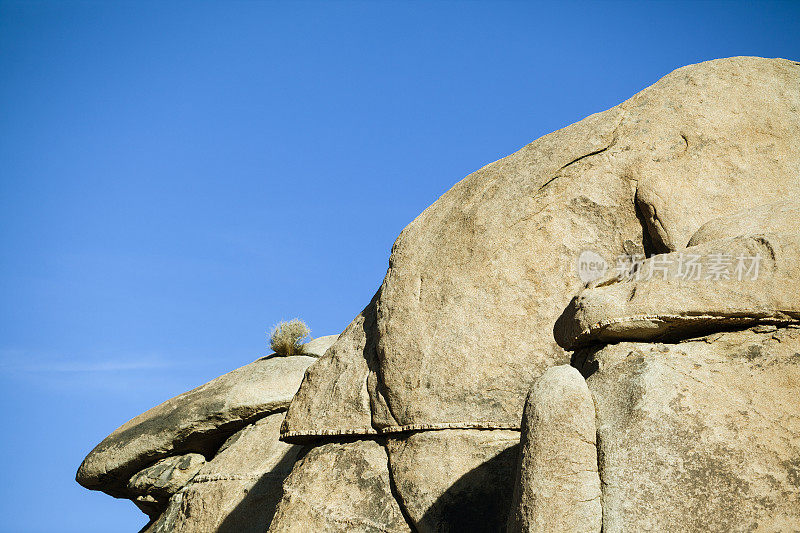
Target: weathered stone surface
x: 317, y: 347
x: 677, y: 303
x: 196, y: 421
x: 477, y: 281
x: 454, y: 480
x: 238, y: 490
x: 340, y: 486
x: 700, y: 436
x: 696, y: 436
x: 558, y: 486
x: 333, y: 397
x: 711, y: 139
x: 778, y: 217
x: 154, y: 485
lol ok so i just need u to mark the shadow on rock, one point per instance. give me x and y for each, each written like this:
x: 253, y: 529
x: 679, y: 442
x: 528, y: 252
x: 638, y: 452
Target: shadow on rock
x: 478, y: 501
x: 254, y: 513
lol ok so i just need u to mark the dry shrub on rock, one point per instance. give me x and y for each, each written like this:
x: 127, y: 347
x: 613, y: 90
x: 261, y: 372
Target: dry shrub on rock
x: 287, y: 337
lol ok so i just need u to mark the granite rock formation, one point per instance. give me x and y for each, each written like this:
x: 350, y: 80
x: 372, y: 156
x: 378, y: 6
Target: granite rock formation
x: 209, y: 459
x: 490, y: 384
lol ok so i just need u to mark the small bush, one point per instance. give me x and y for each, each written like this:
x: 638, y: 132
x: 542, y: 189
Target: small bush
x: 287, y: 337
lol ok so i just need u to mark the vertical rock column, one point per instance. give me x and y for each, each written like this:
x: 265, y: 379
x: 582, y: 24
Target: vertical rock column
x: 558, y: 485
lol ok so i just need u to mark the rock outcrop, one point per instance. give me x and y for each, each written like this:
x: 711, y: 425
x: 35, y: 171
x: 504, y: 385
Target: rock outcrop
x: 558, y: 483
x: 699, y: 435
x: 238, y: 490
x: 340, y: 486
x: 209, y: 459
x: 464, y: 321
x: 725, y: 279
x: 197, y: 421
x: 702, y: 435
x: 449, y: 403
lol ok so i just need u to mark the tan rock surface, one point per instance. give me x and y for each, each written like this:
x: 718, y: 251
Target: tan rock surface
x: 675, y: 303
x: 778, y: 217
x: 317, y: 347
x: 700, y: 436
x: 154, y: 485
x: 333, y: 397
x: 238, y: 490
x: 338, y: 487
x: 477, y: 281
x: 558, y: 485
x: 454, y: 480
x: 196, y: 421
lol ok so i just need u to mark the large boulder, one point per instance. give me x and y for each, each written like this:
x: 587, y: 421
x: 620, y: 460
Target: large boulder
x: 413, y: 414
x: 464, y: 320
x: 454, y: 480
x: 340, y: 486
x: 477, y: 281
x: 702, y: 435
x: 197, y: 421
x: 238, y: 490
x: 558, y: 484
x: 154, y: 486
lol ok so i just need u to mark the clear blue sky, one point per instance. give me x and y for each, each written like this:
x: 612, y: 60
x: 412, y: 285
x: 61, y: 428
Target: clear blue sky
x: 175, y: 178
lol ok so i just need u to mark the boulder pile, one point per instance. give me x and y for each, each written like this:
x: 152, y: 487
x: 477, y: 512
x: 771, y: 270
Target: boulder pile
x: 492, y: 385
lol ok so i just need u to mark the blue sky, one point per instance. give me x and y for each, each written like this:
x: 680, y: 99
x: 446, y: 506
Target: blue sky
x: 175, y: 178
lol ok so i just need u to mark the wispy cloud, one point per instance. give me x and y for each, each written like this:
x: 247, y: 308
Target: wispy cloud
x: 12, y: 361
x: 101, y: 366
x: 136, y: 374
x: 132, y: 376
